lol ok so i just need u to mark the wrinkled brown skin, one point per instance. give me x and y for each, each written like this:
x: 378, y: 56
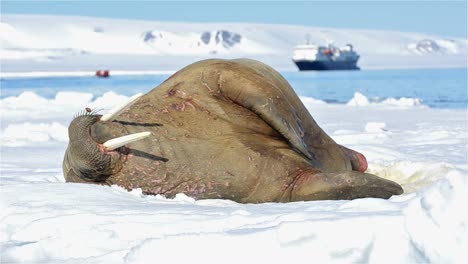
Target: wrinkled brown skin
x: 229, y: 129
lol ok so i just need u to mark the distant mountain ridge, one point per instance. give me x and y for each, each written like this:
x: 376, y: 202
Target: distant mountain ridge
x: 36, y: 38
x: 216, y: 41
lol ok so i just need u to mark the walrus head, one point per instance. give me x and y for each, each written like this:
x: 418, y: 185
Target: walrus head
x: 90, y: 155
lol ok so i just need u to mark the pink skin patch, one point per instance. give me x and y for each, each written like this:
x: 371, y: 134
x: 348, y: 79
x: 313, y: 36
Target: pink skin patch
x: 362, y: 167
x: 107, y: 151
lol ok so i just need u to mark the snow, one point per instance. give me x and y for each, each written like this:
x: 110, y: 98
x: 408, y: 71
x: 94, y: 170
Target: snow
x: 361, y: 100
x: 375, y: 127
x: 30, y: 106
x: 32, y: 43
x: 45, y: 220
x: 30, y: 133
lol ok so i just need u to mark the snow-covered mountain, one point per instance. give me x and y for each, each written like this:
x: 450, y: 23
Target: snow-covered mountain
x: 30, y: 42
x: 208, y: 42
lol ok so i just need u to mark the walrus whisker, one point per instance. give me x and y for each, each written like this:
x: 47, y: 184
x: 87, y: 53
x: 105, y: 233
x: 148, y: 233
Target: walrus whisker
x: 120, y: 108
x: 87, y: 112
x: 114, y: 143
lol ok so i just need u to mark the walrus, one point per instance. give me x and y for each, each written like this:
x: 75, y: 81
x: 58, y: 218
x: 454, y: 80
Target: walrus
x: 219, y: 129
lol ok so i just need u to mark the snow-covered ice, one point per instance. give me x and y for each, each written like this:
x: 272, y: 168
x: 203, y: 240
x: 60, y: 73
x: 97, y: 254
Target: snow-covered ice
x: 361, y: 100
x: 45, y: 220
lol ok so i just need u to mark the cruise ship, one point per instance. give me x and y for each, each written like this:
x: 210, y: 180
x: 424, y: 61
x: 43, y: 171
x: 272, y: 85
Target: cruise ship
x: 310, y: 57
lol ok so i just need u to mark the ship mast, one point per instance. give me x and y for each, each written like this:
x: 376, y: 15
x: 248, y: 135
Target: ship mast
x: 307, y: 37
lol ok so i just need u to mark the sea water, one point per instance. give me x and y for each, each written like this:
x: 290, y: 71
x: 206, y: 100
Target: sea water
x: 436, y: 88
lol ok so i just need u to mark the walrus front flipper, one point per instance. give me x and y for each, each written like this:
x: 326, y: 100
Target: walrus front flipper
x: 341, y: 186
x: 264, y: 91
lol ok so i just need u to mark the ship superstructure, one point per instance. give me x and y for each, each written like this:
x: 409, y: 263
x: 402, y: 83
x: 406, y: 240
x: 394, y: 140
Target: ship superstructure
x: 313, y: 57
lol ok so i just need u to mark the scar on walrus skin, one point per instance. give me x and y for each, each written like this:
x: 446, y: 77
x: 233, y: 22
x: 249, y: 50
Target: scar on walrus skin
x: 229, y: 129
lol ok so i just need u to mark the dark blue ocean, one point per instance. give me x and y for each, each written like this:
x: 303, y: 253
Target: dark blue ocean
x: 437, y: 88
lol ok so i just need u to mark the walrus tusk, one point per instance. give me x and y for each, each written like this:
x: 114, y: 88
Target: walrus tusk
x: 120, y: 108
x: 114, y: 143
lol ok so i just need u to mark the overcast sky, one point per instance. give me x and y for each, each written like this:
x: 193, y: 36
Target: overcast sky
x: 446, y: 18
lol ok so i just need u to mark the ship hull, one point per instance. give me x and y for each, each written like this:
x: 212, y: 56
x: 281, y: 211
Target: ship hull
x: 307, y: 65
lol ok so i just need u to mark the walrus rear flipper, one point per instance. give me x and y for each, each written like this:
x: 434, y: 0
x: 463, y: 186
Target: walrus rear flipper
x: 270, y: 96
x: 342, y: 186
